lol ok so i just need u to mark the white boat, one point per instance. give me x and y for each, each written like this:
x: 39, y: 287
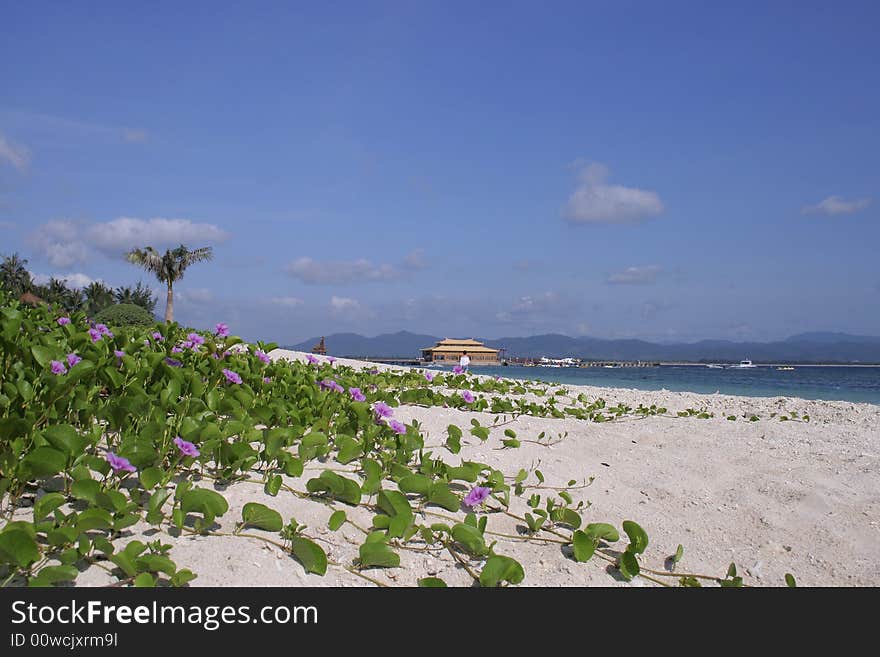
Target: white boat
x: 743, y: 364
x: 715, y: 367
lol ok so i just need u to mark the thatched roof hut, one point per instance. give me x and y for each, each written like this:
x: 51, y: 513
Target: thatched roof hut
x: 31, y: 299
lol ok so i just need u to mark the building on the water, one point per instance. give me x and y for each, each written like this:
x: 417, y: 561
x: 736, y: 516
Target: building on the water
x: 449, y: 351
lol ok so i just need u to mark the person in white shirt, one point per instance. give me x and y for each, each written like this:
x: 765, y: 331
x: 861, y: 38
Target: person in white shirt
x: 465, y: 361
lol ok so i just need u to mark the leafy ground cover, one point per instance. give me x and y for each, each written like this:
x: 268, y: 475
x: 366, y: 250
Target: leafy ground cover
x: 103, y: 428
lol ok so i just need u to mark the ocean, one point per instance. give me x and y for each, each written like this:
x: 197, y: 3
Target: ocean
x: 855, y: 384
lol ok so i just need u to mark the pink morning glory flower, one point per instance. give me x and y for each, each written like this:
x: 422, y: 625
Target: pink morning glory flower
x: 267, y: 379
x: 331, y: 359
x: 477, y: 496
x: 312, y: 359
x: 186, y: 448
x: 157, y: 336
x: 103, y: 330
x: 381, y: 409
x: 173, y: 363
x: 429, y: 376
x: 356, y: 394
x: 397, y: 427
x: 231, y: 376
x: 176, y: 350
x: 119, y: 463
x: 468, y: 396
x: 263, y: 356
x: 63, y: 320
x: 73, y: 359
x: 195, y: 338
x: 457, y: 369
x: 58, y: 367
x: 94, y: 334
x: 221, y: 330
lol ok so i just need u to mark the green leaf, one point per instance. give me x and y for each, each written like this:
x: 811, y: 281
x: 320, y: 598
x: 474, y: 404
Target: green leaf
x: 583, y: 545
x: 46, y: 505
x: 52, y: 574
x: 480, y: 432
x: 86, y: 490
x: 18, y: 547
x: 42, y: 355
x: 453, y: 439
x: 337, y: 519
x: 207, y: 502
x: 340, y: 488
x: 637, y: 536
x: 501, y: 569
x: 442, y: 495
x: 415, y: 483
x: 377, y: 553
x: 42, y: 462
x: 628, y: 565
x: 679, y: 553
x: 150, y: 477
x: 309, y: 554
x: 156, y: 563
x: 432, y: 583
x: 66, y: 439
x: 273, y: 485
x: 789, y: 581
x: 262, y: 517
x: 145, y: 580
x: 470, y: 538
x: 604, y: 531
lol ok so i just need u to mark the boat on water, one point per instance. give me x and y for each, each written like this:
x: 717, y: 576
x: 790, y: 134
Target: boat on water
x: 743, y: 364
x: 785, y: 368
x: 713, y: 366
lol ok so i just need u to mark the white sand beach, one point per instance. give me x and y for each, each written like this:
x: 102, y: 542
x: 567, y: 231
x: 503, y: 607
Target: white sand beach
x: 772, y: 496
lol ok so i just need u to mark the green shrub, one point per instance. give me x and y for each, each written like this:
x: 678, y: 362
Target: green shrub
x: 125, y: 314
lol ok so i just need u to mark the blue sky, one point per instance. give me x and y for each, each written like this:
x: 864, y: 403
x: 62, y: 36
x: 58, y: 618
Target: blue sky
x: 669, y: 171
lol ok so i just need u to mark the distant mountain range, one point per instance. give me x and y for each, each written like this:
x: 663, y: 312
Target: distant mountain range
x: 803, y: 348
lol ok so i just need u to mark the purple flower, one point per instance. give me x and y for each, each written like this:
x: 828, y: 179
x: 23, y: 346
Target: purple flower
x: 221, y: 330
x: 103, y: 330
x: 331, y: 359
x: 215, y: 356
x: 262, y: 356
x: 176, y: 350
x: 146, y: 342
x: 397, y: 427
x: 73, y: 359
x: 381, y: 409
x: 63, y: 320
x: 429, y: 376
x: 477, y: 496
x: 186, y: 448
x: 267, y: 379
x: 195, y: 338
x: 94, y: 334
x: 231, y: 376
x: 58, y: 367
x: 119, y: 463
x: 157, y: 336
x: 312, y: 359
x: 374, y: 371
x: 356, y: 394
x: 118, y: 353
x: 173, y: 363
x: 457, y: 369
x: 186, y: 344
x: 468, y: 396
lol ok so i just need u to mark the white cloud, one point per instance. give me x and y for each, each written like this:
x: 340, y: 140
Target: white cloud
x: 330, y: 272
x: 595, y: 201
x: 415, y: 260
x: 837, y: 205
x: 133, y: 136
x: 194, y: 295
x: 340, y: 304
x: 286, y: 302
x: 531, y: 307
x: 74, y: 280
x: 635, y: 275
x: 18, y: 156
x: 65, y: 242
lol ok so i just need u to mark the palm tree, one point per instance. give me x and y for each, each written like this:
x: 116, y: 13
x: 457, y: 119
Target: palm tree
x: 140, y: 295
x: 168, y: 268
x: 98, y: 296
x: 14, y: 275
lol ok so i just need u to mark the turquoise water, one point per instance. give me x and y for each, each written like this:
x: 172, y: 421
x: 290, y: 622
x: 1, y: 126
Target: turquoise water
x: 856, y: 384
